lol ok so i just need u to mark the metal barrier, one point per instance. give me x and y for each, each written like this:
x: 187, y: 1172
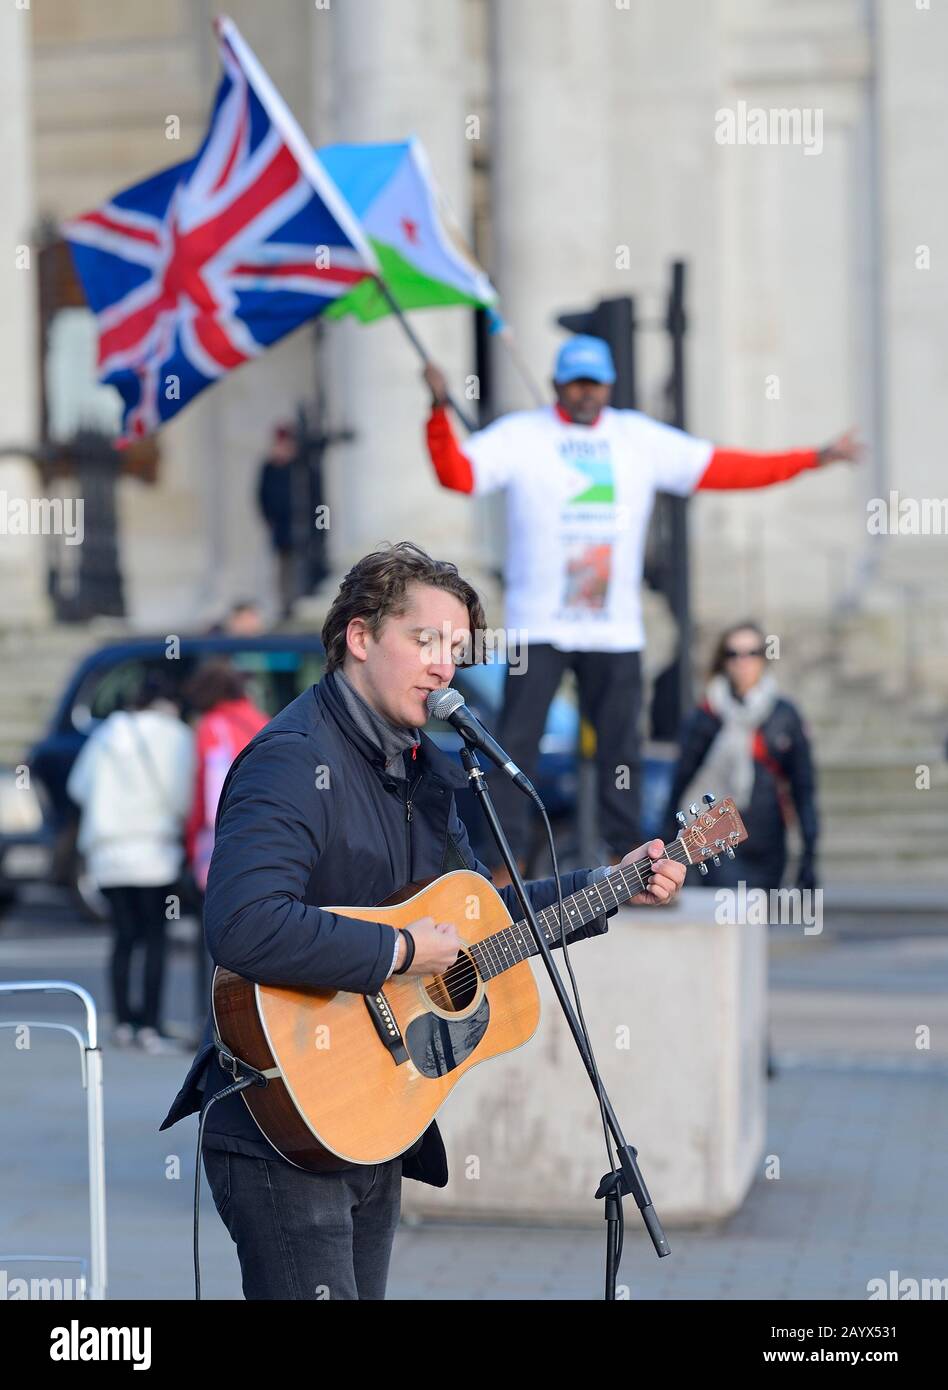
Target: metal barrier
x: 90, y: 1056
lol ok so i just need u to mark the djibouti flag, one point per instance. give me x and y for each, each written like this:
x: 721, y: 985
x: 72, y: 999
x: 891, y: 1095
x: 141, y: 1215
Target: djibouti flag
x: 422, y: 255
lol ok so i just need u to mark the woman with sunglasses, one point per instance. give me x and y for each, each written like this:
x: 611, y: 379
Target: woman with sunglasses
x: 747, y: 741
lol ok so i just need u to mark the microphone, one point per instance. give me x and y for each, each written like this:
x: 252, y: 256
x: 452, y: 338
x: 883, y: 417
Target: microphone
x: 449, y: 704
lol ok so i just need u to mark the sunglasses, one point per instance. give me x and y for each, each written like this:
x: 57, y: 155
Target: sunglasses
x: 732, y: 654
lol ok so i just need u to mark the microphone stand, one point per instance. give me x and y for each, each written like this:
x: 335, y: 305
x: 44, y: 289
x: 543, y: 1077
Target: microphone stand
x: 614, y: 1185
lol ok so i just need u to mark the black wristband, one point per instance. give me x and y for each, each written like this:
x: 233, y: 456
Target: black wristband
x: 409, y: 952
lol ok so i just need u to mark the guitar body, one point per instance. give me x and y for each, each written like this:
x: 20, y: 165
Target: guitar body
x: 345, y: 1087
x: 357, y: 1079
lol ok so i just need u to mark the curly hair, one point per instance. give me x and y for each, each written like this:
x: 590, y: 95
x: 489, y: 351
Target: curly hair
x: 376, y: 588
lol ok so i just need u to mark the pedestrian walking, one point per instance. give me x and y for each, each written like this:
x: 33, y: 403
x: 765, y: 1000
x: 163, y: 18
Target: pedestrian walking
x: 133, y: 781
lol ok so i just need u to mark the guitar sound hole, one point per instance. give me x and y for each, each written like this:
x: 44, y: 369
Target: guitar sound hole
x: 456, y: 988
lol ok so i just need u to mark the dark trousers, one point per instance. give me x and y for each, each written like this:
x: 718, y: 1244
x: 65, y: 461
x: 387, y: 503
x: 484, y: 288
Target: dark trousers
x: 610, y: 697
x: 306, y: 1235
x: 138, y: 919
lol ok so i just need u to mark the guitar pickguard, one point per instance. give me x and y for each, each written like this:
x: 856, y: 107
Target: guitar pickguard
x: 438, y: 1045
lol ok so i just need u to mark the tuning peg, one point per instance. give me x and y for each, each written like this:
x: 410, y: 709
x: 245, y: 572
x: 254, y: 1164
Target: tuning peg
x: 708, y: 799
x: 716, y: 861
x: 702, y: 868
x: 693, y: 809
x: 729, y: 851
x: 681, y: 818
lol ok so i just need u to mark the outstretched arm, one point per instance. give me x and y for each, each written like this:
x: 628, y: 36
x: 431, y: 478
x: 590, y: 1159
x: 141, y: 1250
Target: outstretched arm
x: 735, y: 468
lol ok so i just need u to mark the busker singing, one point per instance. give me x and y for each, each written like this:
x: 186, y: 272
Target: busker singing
x: 343, y: 798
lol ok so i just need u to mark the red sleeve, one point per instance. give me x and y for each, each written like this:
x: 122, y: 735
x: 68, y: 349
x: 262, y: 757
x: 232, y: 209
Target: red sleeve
x: 452, y: 467
x: 732, y: 468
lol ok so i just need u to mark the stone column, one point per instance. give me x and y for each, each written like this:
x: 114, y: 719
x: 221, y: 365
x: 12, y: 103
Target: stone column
x: 399, y: 70
x: 22, y: 563
x: 552, y: 177
x: 552, y: 185
x: 913, y: 110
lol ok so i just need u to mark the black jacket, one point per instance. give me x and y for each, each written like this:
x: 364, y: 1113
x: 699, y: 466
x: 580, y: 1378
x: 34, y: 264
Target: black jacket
x: 782, y: 764
x: 308, y: 815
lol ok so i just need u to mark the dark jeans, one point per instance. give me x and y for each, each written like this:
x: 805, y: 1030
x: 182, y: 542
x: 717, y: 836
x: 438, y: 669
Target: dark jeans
x: 138, y: 919
x: 610, y: 697
x: 306, y: 1235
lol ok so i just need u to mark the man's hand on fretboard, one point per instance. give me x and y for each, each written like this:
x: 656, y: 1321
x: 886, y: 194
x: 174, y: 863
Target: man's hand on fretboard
x: 667, y: 875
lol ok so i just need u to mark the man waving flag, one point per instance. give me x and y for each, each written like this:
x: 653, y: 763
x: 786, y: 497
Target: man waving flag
x: 208, y: 263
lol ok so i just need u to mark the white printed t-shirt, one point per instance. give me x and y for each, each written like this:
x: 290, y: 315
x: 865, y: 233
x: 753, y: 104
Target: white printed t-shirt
x: 579, y: 498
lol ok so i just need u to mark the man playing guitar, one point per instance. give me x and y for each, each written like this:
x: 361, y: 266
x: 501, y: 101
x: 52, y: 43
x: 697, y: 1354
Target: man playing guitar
x: 341, y: 798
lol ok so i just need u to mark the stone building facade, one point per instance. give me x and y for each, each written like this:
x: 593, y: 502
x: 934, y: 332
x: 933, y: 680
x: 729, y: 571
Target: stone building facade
x: 787, y: 149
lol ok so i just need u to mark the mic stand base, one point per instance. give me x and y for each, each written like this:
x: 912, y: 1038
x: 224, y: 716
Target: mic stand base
x: 627, y: 1178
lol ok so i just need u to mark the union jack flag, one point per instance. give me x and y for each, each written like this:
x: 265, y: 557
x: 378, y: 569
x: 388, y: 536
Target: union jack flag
x: 208, y: 263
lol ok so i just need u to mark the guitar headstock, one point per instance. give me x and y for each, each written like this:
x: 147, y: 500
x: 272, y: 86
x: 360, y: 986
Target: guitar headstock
x: 713, y: 832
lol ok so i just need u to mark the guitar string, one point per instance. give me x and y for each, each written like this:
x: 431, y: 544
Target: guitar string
x: 549, y: 917
x: 464, y: 967
x: 463, y: 970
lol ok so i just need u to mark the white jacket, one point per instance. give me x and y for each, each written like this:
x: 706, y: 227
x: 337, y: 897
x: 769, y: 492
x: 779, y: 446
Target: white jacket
x: 133, y: 781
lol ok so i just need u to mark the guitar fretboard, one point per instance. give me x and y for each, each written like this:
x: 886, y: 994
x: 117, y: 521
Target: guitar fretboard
x: 515, y: 943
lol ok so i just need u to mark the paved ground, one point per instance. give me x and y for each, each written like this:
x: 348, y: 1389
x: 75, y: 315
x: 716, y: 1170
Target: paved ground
x: 857, y: 1116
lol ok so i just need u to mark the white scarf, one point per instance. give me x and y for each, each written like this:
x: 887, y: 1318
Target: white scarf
x: 728, y: 768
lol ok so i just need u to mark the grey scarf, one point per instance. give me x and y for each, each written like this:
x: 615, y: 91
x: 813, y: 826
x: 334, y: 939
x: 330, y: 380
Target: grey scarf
x: 389, y: 738
x: 728, y: 768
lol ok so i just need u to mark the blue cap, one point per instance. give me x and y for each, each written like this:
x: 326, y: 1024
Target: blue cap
x: 584, y: 356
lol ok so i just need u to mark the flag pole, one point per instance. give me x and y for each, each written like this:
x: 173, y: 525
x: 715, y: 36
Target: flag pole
x: 419, y: 347
x: 312, y: 167
x: 505, y: 333
x: 292, y: 133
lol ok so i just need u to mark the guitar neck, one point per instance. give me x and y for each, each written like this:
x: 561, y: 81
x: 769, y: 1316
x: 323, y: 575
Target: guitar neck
x: 515, y: 943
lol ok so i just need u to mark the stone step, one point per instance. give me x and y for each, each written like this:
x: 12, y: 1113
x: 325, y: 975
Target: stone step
x: 853, y: 748
x: 15, y: 743
x: 898, y: 800
x: 910, y: 902
x: 882, y: 803
x: 854, y: 843
x: 874, y: 780
x: 34, y: 667
x: 887, y: 817
x: 932, y: 873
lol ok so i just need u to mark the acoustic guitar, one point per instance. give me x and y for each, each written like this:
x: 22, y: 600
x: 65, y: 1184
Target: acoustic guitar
x: 354, y: 1078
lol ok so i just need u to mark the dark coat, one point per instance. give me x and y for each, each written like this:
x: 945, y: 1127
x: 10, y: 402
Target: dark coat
x: 784, y: 782
x: 309, y: 815
x: 275, y: 496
